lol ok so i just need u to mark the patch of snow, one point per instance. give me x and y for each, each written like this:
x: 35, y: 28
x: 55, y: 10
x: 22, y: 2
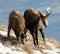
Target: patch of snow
x: 42, y: 46
x: 51, y: 45
x: 54, y: 49
x: 50, y: 52
x: 36, y: 52
x: 14, y: 48
x: 4, y: 33
x: 5, y: 50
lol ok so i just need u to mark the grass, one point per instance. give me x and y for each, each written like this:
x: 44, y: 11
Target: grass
x: 29, y: 46
x: 54, y: 42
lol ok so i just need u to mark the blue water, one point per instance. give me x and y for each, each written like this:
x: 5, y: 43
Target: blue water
x: 53, y: 29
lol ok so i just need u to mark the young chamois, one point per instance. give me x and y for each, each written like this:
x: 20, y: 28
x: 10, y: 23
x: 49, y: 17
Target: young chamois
x: 17, y: 23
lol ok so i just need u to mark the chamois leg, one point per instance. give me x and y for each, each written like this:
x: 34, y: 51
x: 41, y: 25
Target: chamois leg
x: 42, y: 33
x: 22, y: 37
x: 25, y: 31
x: 33, y: 35
x: 36, y: 32
x: 17, y: 35
x: 8, y: 34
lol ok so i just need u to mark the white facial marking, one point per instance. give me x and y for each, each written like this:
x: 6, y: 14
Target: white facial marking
x: 41, y: 25
x: 46, y: 21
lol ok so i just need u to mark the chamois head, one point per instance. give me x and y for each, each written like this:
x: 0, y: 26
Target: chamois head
x: 44, y: 17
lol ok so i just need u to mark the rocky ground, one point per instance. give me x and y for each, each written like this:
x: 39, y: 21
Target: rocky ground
x: 11, y: 46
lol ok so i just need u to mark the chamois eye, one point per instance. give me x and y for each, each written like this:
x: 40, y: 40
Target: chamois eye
x: 45, y: 17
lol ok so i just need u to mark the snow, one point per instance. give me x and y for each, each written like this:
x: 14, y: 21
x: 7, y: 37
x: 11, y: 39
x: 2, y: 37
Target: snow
x: 4, y: 33
x: 51, y: 45
x: 54, y: 49
x: 7, y: 50
x: 36, y: 52
x: 50, y: 52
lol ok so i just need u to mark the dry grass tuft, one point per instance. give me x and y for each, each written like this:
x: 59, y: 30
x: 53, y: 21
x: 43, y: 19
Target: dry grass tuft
x: 8, y: 44
x: 28, y: 48
x: 3, y: 28
x: 54, y: 42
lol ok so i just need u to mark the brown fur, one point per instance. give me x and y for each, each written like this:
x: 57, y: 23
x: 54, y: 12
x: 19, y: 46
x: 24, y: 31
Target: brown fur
x: 17, y: 23
x: 32, y: 18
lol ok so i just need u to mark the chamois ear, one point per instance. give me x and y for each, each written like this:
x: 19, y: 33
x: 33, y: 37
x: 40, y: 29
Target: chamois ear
x: 48, y: 11
x: 41, y: 14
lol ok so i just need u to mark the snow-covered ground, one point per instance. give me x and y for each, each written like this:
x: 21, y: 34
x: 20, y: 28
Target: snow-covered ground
x: 7, y: 50
x: 4, y: 33
x: 54, y: 49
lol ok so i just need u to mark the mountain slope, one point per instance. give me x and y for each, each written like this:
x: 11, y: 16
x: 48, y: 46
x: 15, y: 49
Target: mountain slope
x: 11, y: 46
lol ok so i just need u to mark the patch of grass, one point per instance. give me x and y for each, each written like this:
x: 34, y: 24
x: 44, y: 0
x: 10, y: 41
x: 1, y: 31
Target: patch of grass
x: 55, y: 42
x: 3, y: 28
x: 28, y: 48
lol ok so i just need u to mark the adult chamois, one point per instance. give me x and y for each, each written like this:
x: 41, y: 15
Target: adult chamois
x: 17, y: 23
x: 35, y: 21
